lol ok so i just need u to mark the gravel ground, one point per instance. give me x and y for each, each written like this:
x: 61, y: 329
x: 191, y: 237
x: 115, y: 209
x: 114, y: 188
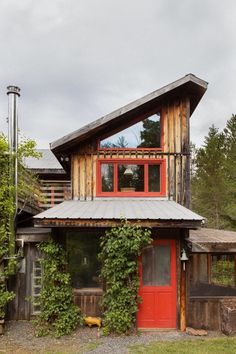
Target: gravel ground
x: 19, y: 339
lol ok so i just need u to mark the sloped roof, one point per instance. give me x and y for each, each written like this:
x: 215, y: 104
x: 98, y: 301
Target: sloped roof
x: 47, y: 161
x: 191, y: 85
x: 119, y: 208
x: 212, y: 240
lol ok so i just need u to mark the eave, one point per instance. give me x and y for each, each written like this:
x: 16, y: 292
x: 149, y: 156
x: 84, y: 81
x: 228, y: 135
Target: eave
x: 188, y: 86
x: 97, y: 223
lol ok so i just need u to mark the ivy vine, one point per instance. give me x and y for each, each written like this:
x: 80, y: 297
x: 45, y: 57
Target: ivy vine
x: 120, y: 248
x: 26, y: 188
x: 59, y: 315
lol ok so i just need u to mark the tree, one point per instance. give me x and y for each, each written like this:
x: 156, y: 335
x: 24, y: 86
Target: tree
x: 230, y: 167
x: 214, y: 177
x: 150, y: 135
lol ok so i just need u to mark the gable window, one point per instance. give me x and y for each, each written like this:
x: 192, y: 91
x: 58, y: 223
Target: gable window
x: 144, y: 134
x: 131, y: 177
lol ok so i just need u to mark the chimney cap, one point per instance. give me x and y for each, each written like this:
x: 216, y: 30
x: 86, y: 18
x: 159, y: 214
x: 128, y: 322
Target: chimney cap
x: 13, y: 89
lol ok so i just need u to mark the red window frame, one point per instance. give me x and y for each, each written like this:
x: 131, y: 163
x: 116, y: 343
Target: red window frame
x: 146, y: 116
x: 145, y: 162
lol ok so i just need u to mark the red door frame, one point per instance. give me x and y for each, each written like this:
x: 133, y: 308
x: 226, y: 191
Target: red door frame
x: 170, y: 289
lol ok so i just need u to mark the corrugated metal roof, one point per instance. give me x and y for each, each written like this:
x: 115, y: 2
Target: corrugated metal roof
x: 47, y: 161
x: 139, y: 209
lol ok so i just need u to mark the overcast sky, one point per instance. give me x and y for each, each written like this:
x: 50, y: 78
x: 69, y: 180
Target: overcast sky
x: 76, y: 60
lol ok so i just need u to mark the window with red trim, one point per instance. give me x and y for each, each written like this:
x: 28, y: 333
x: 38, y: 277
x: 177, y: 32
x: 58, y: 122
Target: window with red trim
x: 129, y: 177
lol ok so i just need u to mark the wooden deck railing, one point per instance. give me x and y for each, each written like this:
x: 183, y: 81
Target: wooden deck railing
x: 54, y: 192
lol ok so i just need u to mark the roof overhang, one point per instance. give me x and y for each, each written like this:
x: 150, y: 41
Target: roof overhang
x: 189, y: 85
x: 212, y: 241
x: 108, y: 213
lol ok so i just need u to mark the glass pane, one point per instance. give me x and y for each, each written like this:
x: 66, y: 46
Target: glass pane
x: 131, y: 178
x: 162, y: 264
x: 107, y: 173
x: 154, y: 178
x: 84, y: 267
x: 156, y: 265
x: 147, y: 268
x: 144, y: 134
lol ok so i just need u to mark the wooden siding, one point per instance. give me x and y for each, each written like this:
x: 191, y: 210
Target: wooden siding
x: 204, y: 313
x: 175, y: 142
x: 89, y: 301
x: 21, y: 283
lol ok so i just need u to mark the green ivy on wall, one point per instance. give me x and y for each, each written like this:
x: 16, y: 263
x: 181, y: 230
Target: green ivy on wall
x: 26, y: 188
x: 120, y: 248
x: 59, y: 316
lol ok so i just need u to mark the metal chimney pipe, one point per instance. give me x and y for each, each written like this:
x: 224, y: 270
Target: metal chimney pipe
x: 13, y: 93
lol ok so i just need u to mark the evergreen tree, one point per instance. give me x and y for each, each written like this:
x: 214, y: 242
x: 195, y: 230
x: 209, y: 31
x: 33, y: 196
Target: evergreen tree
x: 214, y: 177
x: 230, y: 168
x: 150, y: 135
x: 209, y: 183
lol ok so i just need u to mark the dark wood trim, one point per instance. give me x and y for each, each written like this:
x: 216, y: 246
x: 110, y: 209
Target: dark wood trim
x: 191, y: 224
x: 183, y: 299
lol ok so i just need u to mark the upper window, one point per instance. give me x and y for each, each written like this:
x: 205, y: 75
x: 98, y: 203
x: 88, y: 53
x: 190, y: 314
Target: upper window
x: 131, y: 177
x: 144, y: 135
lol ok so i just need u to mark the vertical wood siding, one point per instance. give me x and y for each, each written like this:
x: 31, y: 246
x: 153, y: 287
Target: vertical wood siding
x: 175, y: 142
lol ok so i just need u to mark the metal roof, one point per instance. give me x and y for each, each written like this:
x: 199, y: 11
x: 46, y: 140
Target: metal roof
x: 47, y: 161
x: 131, y: 209
x: 189, y: 85
x: 212, y: 240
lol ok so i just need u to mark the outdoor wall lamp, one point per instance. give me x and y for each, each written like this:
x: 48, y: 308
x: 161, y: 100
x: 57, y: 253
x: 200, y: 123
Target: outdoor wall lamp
x: 183, y: 257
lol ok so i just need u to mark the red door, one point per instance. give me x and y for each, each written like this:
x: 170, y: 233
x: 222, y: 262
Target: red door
x: 157, y: 270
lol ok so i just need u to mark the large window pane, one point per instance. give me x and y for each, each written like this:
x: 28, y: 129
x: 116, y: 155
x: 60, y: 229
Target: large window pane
x: 144, y: 134
x: 131, y: 178
x: 154, y: 178
x: 156, y: 265
x: 162, y: 264
x: 84, y: 267
x: 212, y: 275
x: 107, y: 173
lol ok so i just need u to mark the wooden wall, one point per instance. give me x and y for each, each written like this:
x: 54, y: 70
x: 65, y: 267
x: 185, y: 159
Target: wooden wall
x: 89, y: 301
x: 175, y: 149
x: 204, y: 313
x: 21, y: 283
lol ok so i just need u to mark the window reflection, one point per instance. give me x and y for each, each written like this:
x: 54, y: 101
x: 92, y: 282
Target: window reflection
x: 107, y: 173
x: 131, y: 178
x: 144, y: 134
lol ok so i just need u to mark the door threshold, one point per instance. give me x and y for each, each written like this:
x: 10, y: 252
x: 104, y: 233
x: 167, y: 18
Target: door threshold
x: 158, y: 329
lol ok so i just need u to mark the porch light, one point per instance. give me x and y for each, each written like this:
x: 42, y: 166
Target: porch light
x: 183, y: 257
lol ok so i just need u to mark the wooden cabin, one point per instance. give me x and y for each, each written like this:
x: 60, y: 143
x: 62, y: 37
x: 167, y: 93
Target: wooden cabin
x: 133, y: 163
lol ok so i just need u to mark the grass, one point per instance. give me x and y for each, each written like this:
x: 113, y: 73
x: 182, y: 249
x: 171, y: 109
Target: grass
x: 201, y: 346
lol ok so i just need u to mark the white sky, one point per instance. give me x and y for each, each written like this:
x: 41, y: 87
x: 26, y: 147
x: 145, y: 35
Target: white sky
x: 76, y: 60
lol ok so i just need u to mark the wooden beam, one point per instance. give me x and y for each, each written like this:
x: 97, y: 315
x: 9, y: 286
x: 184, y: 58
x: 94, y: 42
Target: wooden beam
x: 114, y: 222
x: 183, y: 299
